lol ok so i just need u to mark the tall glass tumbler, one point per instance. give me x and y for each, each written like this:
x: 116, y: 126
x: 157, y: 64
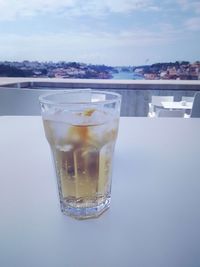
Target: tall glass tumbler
x: 81, y: 127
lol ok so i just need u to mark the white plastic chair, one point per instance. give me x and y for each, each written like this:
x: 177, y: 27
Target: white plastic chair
x: 15, y: 101
x: 187, y: 99
x: 170, y: 113
x: 156, y: 104
x: 195, y: 112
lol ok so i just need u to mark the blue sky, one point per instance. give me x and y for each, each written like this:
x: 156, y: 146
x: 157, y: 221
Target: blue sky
x: 112, y: 32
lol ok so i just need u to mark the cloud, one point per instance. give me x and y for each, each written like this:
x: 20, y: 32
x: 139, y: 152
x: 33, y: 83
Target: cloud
x: 193, y: 24
x: 126, y: 6
x: 67, y: 47
x: 183, y: 3
x: 12, y: 9
x: 128, y: 47
x: 191, y: 5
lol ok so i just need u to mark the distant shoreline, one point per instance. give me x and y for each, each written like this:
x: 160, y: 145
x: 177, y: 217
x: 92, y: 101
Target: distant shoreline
x: 182, y: 70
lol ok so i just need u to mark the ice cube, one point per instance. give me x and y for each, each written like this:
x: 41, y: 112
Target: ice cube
x: 98, y: 117
x: 65, y: 148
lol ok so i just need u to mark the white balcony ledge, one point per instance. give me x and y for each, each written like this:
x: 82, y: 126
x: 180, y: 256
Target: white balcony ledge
x: 136, y: 94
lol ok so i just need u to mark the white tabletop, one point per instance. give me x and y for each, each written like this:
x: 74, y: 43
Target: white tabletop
x: 154, y: 219
x: 177, y: 105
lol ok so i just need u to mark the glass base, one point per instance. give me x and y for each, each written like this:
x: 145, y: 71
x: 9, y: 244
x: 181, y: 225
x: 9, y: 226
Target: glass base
x: 82, y: 213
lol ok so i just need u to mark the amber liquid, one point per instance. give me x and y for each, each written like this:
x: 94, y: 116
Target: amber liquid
x: 83, y: 160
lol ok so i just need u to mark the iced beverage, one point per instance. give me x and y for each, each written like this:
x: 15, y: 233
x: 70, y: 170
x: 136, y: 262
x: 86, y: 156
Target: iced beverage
x: 82, y: 141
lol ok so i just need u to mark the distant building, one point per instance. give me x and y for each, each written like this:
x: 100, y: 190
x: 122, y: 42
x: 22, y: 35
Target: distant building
x: 150, y: 76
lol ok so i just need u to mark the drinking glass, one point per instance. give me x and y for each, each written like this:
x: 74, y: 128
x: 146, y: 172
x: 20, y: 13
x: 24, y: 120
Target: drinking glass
x: 81, y: 127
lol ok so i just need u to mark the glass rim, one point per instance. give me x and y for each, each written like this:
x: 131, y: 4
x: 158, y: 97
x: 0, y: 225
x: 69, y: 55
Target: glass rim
x: 43, y: 98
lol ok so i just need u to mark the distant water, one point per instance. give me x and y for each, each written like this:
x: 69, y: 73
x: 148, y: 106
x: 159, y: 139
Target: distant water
x: 123, y: 75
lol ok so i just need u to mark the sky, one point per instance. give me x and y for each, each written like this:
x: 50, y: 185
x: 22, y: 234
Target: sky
x: 111, y: 32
